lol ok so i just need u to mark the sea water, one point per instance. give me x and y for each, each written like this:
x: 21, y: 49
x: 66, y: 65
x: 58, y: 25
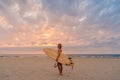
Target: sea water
x: 37, y: 51
x: 96, y: 55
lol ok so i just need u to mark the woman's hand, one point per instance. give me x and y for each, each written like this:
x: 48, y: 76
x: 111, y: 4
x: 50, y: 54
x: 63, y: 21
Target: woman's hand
x: 57, y: 60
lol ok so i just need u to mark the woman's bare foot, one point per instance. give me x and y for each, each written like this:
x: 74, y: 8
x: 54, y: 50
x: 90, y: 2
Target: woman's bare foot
x: 61, y: 74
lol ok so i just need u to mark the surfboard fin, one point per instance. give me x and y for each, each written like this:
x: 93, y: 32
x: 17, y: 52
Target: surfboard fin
x: 71, y: 63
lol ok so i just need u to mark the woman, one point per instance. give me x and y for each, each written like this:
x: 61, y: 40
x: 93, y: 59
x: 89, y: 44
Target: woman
x: 59, y: 65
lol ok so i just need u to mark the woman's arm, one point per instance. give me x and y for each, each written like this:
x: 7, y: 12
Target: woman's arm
x: 59, y: 52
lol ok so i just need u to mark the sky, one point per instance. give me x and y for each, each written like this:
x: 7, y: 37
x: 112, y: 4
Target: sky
x: 83, y: 23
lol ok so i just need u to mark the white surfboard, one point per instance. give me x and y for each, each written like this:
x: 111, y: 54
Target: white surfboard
x: 64, y: 59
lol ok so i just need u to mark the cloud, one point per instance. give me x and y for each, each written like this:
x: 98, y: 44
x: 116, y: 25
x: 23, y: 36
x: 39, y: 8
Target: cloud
x: 88, y: 23
x: 4, y: 23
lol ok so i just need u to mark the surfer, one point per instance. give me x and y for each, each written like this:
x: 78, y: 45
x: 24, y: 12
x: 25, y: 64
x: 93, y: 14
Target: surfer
x: 59, y: 65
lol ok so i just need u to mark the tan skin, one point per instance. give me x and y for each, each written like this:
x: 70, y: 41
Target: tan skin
x: 59, y: 65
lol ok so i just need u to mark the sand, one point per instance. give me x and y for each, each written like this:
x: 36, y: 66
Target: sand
x: 42, y: 68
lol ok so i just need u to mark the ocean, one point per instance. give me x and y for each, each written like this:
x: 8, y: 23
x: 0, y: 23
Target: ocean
x: 70, y: 55
x: 37, y: 52
x: 95, y: 55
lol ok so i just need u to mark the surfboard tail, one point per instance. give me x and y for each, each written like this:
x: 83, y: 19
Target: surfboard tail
x: 71, y: 62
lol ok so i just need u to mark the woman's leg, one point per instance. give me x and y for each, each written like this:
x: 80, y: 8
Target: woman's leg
x: 58, y: 65
x: 61, y: 68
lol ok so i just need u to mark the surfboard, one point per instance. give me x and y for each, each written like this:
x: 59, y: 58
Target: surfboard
x: 64, y: 59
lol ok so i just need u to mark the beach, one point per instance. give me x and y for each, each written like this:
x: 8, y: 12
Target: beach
x: 42, y: 68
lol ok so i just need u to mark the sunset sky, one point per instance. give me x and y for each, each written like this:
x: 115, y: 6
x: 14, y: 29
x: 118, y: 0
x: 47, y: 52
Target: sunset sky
x: 84, y: 23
